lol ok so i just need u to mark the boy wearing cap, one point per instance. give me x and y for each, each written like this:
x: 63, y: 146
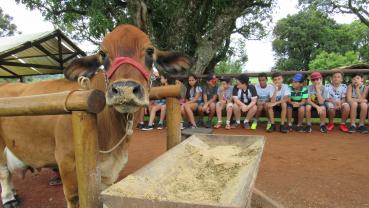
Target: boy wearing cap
x: 335, y: 99
x: 263, y: 89
x: 297, y: 101
x: 278, y: 102
x: 225, y: 100
x: 356, y: 97
x: 316, y: 100
x: 210, y: 97
x: 244, y: 98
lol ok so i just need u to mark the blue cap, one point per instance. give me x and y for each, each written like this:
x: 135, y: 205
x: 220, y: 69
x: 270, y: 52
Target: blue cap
x: 298, y: 77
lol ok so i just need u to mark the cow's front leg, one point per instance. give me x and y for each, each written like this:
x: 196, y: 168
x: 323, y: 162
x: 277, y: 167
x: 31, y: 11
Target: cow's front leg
x: 7, y: 193
x: 70, y: 187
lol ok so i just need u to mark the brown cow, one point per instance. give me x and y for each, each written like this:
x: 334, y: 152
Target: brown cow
x: 44, y: 141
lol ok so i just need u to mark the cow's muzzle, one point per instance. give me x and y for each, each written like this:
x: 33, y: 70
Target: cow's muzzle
x: 126, y: 96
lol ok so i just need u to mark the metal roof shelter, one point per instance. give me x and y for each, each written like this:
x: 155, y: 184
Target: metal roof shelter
x: 36, y: 54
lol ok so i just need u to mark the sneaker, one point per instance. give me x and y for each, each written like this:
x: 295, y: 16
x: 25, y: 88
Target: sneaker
x: 323, y: 129
x: 343, y: 128
x: 160, y: 126
x: 363, y: 129
x: 193, y: 127
x: 271, y: 128
x: 200, y: 123
x: 300, y: 129
x: 246, y: 125
x: 290, y: 128
x: 284, y: 129
x: 208, y: 124
x: 268, y: 125
x: 148, y: 127
x: 141, y: 126
x: 254, y: 125
x: 330, y: 127
x: 308, y: 129
x: 352, y: 129
x: 235, y: 125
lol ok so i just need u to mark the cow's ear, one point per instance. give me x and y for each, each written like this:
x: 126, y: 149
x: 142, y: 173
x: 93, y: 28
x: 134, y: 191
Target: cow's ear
x: 85, y: 66
x: 173, y: 62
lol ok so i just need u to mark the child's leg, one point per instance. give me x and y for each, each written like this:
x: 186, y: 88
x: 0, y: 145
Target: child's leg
x: 153, y: 111
x: 363, y: 112
x: 323, y: 116
x: 345, y: 111
x: 301, y: 115
x: 308, y: 114
x: 331, y: 112
x: 251, y: 113
x: 229, y: 111
x: 270, y: 113
x: 289, y: 115
x: 189, y: 108
x: 237, y: 112
x: 259, y: 109
x: 219, y: 107
x: 212, y: 111
x: 163, y: 109
x: 353, y: 112
x: 284, y: 113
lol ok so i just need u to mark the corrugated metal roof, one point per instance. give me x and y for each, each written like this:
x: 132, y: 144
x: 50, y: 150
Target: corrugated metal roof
x: 35, y: 54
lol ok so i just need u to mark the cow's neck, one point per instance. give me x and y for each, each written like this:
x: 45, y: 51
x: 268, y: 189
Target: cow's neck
x: 111, y: 123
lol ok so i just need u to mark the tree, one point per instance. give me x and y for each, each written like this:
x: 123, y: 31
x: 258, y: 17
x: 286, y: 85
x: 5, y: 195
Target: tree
x: 360, y: 8
x: 228, y: 67
x: 200, y: 28
x: 299, y: 37
x: 6, y: 27
x: 326, y: 60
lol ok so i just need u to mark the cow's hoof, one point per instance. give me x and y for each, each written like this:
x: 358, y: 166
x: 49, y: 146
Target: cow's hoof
x: 11, y: 204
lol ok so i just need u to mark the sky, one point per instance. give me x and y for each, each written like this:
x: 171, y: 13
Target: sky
x: 260, y: 53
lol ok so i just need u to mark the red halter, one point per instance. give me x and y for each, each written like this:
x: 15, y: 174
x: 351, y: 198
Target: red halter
x: 127, y: 60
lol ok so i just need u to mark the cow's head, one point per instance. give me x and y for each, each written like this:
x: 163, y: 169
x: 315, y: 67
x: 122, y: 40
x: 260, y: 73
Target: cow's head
x: 127, y: 55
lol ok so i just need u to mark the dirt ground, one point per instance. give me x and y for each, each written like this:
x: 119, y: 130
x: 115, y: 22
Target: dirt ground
x: 297, y: 169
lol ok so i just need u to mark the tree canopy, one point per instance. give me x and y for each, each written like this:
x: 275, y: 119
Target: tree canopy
x: 301, y: 37
x: 325, y: 60
x: 7, y: 28
x: 360, y: 8
x: 199, y: 28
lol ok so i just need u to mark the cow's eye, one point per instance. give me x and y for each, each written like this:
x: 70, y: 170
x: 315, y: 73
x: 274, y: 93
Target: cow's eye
x: 102, y: 55
x: 150, y: 51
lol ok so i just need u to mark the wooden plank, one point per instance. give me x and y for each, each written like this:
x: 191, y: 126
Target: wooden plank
x: 173, y: 122
x: 86, y: 146
x: 236, y: 195
x: 92, y: 101
x: 165, y: 91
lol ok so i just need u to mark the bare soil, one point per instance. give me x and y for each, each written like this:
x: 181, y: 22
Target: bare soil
x: 297, y: 169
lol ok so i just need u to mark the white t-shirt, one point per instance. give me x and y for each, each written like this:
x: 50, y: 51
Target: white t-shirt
x: 335, y: 93
x: 264, y: 93
x: 284, y: 91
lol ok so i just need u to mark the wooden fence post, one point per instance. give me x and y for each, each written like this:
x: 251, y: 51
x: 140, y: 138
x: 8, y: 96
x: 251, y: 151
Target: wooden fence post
x: 173, y: 122
x: 86, y: 156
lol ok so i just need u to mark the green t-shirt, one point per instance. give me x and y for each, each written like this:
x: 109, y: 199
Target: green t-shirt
x: 297, y: 96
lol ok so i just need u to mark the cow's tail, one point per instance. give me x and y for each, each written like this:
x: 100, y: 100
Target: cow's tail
x: 14, y: 163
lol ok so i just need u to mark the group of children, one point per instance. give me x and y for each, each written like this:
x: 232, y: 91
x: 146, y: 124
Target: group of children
x: 250, y: 101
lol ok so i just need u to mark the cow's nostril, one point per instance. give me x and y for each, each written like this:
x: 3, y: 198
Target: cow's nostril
x: 114, y: 91
x: 136, y: 90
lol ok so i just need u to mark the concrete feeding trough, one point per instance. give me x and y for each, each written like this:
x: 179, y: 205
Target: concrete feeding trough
x: 204, y: 171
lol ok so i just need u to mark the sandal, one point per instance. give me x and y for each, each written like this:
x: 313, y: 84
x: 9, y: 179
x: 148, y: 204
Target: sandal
x: 218, y: 125
x: 228, y: 126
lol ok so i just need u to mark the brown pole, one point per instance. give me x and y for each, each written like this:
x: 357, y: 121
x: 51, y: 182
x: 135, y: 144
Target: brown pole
x: 86, y: 156
x: 165, y: 91
x: 92, y: 101
x: 173, y: 122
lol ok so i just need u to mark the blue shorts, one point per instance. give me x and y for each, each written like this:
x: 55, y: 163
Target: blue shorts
x: 290, y: 106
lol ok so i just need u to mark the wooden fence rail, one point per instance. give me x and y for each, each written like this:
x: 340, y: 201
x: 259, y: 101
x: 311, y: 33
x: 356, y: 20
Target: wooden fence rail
x: 84, y: 105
